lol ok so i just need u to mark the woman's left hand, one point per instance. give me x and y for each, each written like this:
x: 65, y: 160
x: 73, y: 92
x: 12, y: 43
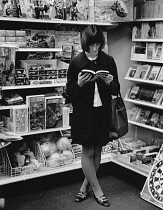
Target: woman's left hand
x: 107, y: 78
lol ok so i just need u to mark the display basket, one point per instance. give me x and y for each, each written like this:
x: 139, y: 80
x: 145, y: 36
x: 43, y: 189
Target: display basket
x: 28, y: 169
x: 59, y: 162
x: 63, y: 161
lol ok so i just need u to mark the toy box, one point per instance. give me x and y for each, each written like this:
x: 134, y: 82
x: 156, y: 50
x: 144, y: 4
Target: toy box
x: 113, y: 11
x: 7, y: 64
x: 19, y: 119
x: 36, y: 105
x: 76, y: 10
x: 54, y: 114
x: 40, y: 38
x: 27, y: 9
x: 34, y: 69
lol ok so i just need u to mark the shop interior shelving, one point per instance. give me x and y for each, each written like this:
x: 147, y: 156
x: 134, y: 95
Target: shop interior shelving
x: 51, y: 24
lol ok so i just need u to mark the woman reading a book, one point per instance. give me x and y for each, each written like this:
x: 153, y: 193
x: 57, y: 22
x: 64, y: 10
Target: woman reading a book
x: 91, y: 100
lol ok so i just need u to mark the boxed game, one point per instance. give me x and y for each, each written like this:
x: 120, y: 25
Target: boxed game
x: 27, y: 9
x: 44, y: 38
x: 7, y: 64
x: 36, y: 106
x: 19, y: 119
x: 54, y: 113
x: 113, y: 11
x: 76, y: 10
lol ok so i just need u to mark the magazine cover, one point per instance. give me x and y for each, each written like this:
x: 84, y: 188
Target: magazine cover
x: 113, y: 11
x: 153, y: 187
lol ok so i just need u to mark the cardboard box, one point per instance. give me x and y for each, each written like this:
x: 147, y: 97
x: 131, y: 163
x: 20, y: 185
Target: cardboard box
x: 19, y: 119
x: 36, y: 106
x: 54, y: 113
x: 54, y: 62
x: 56, y: 65
x: 113, y: 11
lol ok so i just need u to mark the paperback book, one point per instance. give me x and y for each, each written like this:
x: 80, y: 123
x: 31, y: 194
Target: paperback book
x: 136, y: 32
x: 139, y: 50
x: 132, y: 70
x: 157, y: 97
x: 154, y: 72
x: 154, y: 119
x: 133, y: 113
x: 133, y: 92
x: 160, y: 76
x: 158, y: 51
x: 144, y: 71
x: 95, y: 74
x: 142, y: 115
x: 145, y: 94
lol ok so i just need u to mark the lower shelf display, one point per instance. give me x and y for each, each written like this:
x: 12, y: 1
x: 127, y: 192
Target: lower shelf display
x: 138, y: 160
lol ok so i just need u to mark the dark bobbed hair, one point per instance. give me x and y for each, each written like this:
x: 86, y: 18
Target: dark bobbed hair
x: 92, y: 34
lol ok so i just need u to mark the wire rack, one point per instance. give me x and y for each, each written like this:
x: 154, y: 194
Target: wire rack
x: 7, y: 169
x: 62, y: 161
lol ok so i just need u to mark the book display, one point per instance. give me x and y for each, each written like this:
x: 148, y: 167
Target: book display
x: 146, y: 94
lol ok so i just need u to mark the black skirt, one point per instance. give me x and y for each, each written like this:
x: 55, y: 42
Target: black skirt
x: 99, y: 130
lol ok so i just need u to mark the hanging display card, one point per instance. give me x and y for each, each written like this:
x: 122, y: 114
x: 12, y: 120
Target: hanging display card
x: 153, y: 187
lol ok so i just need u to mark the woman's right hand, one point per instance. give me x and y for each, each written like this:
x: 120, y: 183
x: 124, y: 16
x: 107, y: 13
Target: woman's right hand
x: 83, y: 79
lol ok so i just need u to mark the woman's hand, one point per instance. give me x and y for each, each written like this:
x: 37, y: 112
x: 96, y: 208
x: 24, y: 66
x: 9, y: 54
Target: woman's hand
x: 83, y: 79
x: 107, y: 78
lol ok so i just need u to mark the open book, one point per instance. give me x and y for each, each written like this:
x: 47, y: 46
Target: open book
x: 99, y: 72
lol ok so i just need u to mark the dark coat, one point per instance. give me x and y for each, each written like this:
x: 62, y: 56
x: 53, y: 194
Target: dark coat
x: 82, y: 97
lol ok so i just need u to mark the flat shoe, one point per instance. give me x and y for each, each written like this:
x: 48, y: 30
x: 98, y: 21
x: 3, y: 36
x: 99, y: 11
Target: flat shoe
x: 81, y: 196
x: 102, y: 200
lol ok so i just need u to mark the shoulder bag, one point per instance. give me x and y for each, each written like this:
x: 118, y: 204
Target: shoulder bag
x: 119, y: 122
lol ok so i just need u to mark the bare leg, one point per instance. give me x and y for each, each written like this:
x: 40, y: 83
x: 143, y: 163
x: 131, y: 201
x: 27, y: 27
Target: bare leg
x: 91, y: 157
x: 96, y: 160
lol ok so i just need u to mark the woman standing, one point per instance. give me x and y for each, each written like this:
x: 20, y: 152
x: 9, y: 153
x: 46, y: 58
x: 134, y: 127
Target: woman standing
x: 91, y: 101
